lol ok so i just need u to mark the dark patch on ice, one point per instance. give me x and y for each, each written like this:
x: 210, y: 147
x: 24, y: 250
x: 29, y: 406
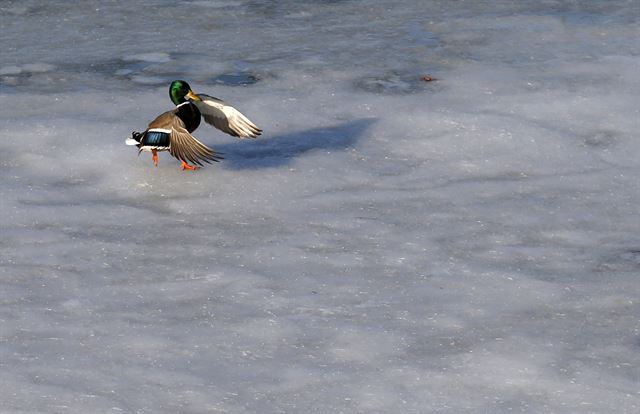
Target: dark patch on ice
x: 280, y: 150
x: 133, y: 71
x: 77, y: 76
x: 23, y: 10
x: 141, y: 72
x: 25, y: 80
x: 601, y: 139
x: 392, y: 83
x: 14, y: 77
x: 120, y: 67
x: 7, y: 85
x: 419, y: 35
x: 115, y: 73
x: 627, y: 260
x: 631, y: 256
x: 237, y: 79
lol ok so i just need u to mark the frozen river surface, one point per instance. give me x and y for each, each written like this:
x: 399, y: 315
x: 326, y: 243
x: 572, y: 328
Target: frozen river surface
x: 467, y: 245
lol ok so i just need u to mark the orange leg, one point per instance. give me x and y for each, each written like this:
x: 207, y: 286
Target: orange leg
x: 186, y: 166
x: 155, y: 157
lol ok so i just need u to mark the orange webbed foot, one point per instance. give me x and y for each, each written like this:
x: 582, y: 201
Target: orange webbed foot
x: 186, y: 166
x: 155, y: 157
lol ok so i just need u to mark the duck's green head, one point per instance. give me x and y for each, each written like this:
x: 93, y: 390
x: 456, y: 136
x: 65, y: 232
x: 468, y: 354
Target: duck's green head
x: 179, y: 90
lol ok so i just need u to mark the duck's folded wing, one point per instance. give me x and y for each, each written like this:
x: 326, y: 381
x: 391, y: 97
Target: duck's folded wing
x: 226, y: 118
x: 188, y: 149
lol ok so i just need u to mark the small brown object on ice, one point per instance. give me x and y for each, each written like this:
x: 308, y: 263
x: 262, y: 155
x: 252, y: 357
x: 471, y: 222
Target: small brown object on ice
x: 427, y: 78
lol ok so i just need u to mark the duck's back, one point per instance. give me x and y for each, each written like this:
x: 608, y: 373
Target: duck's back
x: 186, y: 112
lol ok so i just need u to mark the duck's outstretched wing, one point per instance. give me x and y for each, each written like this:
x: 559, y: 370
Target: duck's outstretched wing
x: 225, y: 117
x: 182, y: 144
x: 186, y: 148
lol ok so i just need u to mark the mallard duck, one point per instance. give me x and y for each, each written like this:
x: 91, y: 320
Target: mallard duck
x: 171, y: 131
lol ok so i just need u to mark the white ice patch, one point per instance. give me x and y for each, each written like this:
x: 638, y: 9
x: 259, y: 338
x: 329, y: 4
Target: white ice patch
x: 148, y: 80
x: 154, y: 57
x: 10, y: 70
x: 38, y: 67
x: 29, y: 67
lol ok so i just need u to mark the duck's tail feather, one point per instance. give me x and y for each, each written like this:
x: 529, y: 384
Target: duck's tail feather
x: 135, y: 139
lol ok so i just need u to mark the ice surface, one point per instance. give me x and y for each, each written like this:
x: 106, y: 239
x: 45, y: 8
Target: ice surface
x: 468, y: 245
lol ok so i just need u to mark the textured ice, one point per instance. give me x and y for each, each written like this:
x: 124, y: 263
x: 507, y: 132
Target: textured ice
x: 10, y: 70
x: 237, y: 79
x: 469, y: 245
x: 157, y: 57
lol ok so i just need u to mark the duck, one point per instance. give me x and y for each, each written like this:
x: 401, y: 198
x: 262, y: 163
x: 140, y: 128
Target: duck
x: 172, y: 130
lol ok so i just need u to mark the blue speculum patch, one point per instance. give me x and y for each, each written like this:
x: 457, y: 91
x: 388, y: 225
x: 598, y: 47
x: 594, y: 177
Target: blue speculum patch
x: 156, y: 139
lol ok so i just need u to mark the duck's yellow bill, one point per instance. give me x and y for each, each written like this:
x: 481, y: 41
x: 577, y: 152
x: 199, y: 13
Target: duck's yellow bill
x: 193, y: 96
